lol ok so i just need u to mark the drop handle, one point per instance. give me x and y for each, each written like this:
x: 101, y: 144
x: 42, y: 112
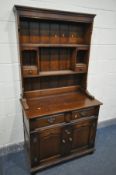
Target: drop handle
x: 63, y: 141
x: 67, y: 132
x: 76, y: 116
x: 70, y: 139
x: 51, y: 119
x: 63, y: 34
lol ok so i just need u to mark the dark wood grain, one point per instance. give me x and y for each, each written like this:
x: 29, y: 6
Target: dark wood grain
x: 59, y: 115
x: 58, y: 103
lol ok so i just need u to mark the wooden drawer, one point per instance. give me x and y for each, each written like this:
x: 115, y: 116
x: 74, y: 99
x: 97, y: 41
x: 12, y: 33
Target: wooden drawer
x: 46, y: 121
x: 29, y: 70
x: 81, y: 68
x: 84, y: 113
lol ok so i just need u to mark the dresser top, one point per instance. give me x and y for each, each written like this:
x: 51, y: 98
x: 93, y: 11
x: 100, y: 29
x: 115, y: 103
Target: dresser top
x: 58, y: 103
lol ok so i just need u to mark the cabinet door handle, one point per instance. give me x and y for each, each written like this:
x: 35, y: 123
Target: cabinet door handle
x: 70, y: 139
x: 51, y: 119
x: 76, y: 116
x: 67, y: 132
x: 63, y: 141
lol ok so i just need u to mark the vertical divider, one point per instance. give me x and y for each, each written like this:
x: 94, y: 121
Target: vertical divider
x: 59, y: 57
x: 68, y: 33
x: 73, y: 62
x: 49, y: 58
x: 38, y: 60
x: 28, y: 32
x: 49, y: 31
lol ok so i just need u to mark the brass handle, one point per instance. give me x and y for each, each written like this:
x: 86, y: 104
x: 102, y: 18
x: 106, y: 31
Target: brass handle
x: 51, y: 119
x: 76, y: 116
x: 63, y: 34
x: 67, y: 132
x: 70, y: 139
x: 55, y: 36
x: 63, y: 141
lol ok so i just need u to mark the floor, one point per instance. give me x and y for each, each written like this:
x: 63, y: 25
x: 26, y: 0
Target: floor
x: 102, y: 162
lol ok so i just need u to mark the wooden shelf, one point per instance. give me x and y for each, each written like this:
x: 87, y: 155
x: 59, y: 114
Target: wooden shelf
x: 61, y: 72
x: 52, y: 73
x: 83, y: 46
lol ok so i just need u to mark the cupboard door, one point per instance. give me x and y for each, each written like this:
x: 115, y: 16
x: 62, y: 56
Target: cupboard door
x: 49, y: 143
x: 83, y: 134
x: 66, y: 140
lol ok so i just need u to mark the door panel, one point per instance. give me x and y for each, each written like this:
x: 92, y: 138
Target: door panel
x: 49, y: 143
x: 45, y: 144
x: 83, y: 134
x: 80, y: 136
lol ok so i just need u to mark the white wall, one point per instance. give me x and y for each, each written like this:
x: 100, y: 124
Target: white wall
x: 102, y: 70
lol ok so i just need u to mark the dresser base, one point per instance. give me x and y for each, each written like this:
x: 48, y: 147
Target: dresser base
x: 61, y: 160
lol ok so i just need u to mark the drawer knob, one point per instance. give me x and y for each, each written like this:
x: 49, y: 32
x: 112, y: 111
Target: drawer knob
x: 63, y: 141
x: 76, y: 116
x: 70, y: 139
x: 51, y: 119
x: 67, y: 132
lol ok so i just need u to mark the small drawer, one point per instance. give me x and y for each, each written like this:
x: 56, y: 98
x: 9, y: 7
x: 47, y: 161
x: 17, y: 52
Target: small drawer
x: 81, y: 68
x: 46, y: 121
x: 84, y: 113
x: 29, y: 70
